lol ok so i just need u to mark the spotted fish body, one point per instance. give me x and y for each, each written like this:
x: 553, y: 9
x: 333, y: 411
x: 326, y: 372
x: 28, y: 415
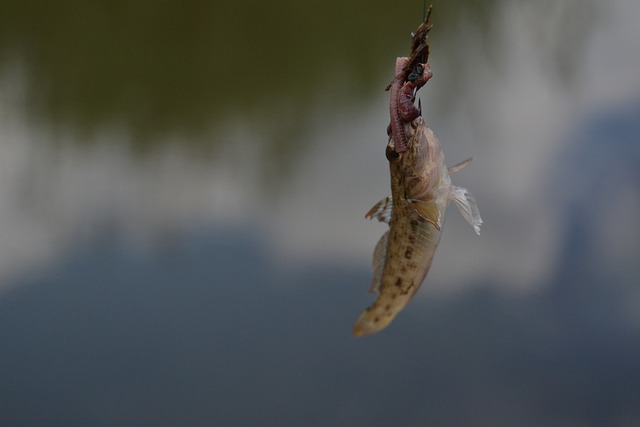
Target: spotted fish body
x: 421, y: 190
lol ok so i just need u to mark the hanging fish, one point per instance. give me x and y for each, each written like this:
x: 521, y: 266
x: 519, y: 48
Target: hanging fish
x: 421, y: 190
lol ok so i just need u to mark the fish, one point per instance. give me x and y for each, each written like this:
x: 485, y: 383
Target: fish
x: 421, y: 190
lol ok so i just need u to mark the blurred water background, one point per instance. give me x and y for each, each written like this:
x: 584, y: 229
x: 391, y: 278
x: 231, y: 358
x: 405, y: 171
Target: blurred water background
x: 182, y: 192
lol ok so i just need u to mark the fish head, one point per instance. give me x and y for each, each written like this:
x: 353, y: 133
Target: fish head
x: 422, y: 163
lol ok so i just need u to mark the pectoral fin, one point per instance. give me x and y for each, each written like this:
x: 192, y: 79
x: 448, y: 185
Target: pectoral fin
x: 379, y: 257
x: 382, y: 210
x: 467, y: 206
x: 428, y: 211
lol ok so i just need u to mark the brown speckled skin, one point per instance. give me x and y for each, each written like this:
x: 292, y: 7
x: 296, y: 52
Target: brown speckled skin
x: 418, y: 175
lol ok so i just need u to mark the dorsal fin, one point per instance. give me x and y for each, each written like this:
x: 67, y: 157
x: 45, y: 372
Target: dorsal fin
x: 458, y: 166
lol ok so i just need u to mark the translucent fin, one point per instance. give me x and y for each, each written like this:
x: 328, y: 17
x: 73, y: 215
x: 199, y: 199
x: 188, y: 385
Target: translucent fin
x: 467, y: 206
x: 428, y: 211
x: 382, y: 210
x: 379, y: 257
x: 461, y: 165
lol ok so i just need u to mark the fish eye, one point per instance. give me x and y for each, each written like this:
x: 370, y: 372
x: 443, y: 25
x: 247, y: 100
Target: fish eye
x: 392, y: 155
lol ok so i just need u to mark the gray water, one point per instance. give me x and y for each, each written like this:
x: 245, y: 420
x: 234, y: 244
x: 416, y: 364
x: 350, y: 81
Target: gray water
x: 182, y: 196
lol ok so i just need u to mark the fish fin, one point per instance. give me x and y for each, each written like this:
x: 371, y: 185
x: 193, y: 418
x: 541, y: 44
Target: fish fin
x: 382, y: 210
x: 461, y: 165
x: 468, y: 207
x: 379, y: 256
x: 428, y: 211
